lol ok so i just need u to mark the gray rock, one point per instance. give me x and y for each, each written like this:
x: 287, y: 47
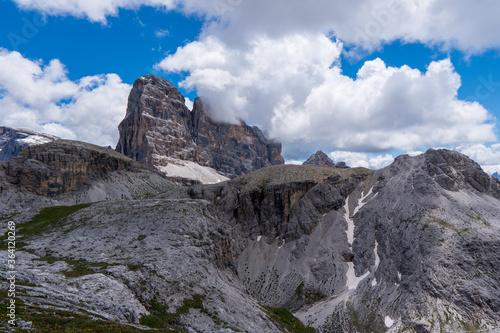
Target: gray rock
x: 412, y: 247
x: 12, y: 140
x: 158, y: 127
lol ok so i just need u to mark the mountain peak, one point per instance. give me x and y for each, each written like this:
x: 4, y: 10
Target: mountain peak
x: 161, y: 131
x: 12, y: 140
x: 319, y: 158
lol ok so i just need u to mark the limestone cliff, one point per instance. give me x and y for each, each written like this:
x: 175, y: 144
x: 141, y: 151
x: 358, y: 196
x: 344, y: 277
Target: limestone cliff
x: 70, y: 172
x: 159, y: 130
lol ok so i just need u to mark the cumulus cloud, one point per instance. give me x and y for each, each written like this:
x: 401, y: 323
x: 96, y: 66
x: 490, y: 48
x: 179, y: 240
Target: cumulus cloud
x: 42, y: 98
x: 356, y: 159
x: 468, y: 25
x: 294, y: 88
x: 275, y: 64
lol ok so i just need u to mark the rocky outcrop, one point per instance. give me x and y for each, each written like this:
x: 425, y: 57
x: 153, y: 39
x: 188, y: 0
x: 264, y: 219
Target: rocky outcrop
x: 13, y: 140
x: 75, y: 172
x: 159, y: 129
x: 319, y: 158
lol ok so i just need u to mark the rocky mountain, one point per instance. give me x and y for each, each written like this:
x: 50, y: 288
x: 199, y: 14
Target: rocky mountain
x: 413, y: 247
x: 319, y: 158
x: 160, y: 130
x: 12, y: 140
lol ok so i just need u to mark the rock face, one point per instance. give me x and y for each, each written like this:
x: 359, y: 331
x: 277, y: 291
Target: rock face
x: 319, y: 158
x: 158, y: 129
x: 413, y: 247
x: 13, y: 140
x: 74, y: 172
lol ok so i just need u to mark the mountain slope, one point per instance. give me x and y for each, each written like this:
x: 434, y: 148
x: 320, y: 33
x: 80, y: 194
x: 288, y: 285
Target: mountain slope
x: 413, y: 247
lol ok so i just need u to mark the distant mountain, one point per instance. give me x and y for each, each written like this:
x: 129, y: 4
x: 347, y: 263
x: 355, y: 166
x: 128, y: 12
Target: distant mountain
x: 12, y: 140
x: 496, y: 174
x: 319, y: 158
x: 159, y: 130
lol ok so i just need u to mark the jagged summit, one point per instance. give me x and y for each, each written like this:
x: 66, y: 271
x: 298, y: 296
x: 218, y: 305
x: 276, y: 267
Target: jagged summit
x: 319, y: 158
x: 159, y: 130
x: 12, y: 140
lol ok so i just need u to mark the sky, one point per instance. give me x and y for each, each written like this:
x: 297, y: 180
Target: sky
x: 364, y: 80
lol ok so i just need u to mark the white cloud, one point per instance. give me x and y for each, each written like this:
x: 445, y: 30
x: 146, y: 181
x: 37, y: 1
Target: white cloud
x: 42, y: 98
x: 93, y: 10
x: 469, y: 25
x: 294, y: 88
x: 161, y: 33
x: 356, y: 159
x: 271, y: 64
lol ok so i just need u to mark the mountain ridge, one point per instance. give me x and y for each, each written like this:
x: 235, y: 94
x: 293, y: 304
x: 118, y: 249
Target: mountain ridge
x: 413, y: 246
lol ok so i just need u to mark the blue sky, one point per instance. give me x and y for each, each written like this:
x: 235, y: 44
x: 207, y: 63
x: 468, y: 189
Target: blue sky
x: 362, y: 83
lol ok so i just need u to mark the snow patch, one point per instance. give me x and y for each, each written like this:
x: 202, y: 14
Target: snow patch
x: 34, y: 140
x: 374, y: 282
x: 377, y: 258
x: 191, y: 170
x: 259, y: 238
x: 352, y: 279
x: 388, y: 321
x: 350, y: 223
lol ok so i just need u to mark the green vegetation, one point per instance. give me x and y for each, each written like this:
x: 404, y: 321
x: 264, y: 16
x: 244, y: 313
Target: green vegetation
x: 448, y: 225
x: 48, y: 218
x: 81, y: 267
x: 161, y: 318
x: 46, y: 320
x: 310, y: 295
x: 286, y: 321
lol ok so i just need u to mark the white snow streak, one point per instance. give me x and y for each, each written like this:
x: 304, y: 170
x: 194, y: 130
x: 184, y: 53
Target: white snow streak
x: 377, y: 258
x: 388, y: 322
x: 350, y: 223
x: 259, y: 238
x: 352, y: 279
x: 361, y: 201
